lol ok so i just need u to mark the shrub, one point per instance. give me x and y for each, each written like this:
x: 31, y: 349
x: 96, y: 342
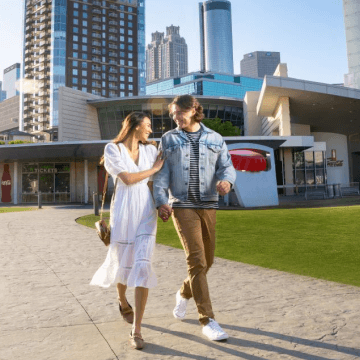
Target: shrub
x: 223, y: 128
x: 19, y: 142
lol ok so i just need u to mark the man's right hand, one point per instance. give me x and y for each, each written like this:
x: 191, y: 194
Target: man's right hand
x: 164, y: 212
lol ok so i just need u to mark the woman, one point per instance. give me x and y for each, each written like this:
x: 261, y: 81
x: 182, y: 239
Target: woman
x: 130, y: 159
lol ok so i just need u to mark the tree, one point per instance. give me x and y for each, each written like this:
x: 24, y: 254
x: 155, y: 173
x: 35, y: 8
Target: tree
x: 223, y: 128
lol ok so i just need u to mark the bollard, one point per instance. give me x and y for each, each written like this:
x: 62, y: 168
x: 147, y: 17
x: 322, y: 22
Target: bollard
x: 39, y: 200
x: 96, y: 203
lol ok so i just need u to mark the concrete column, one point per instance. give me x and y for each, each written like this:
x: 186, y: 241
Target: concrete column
x: 86, y: 182
x: 15, y: 184
x: 284, y: 115
x: 288, y: 171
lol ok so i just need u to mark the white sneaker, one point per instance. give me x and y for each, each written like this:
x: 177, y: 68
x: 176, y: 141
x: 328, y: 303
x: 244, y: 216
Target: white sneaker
x: 180, y: 307
x: 214, y: 331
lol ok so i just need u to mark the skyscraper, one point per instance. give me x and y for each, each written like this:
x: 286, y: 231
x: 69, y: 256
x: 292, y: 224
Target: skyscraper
x: 352, y: 31
x: 216, y: 37
x: 259, y: 63
x: 166, y: 56
x: 96, y: 47
x: 11, y: 77
x: 2, y: 92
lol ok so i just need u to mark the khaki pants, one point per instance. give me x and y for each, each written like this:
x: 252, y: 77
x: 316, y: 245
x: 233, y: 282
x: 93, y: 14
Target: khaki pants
x: 196, y: 230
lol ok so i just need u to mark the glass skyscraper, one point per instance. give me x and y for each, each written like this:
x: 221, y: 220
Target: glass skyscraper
x: 92, y: 46
x: 216, y: 47
x: 2, y: 92
x: 206, y: 84
x: 11, y: 76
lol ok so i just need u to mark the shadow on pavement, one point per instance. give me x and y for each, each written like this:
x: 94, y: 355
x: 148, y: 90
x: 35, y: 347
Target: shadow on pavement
x: 291, y: 339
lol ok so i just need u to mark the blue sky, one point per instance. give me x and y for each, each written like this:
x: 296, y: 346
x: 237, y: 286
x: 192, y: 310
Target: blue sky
x: 309, y: 34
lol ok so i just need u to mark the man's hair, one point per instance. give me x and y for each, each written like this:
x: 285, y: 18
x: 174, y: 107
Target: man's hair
x: 188, y: 102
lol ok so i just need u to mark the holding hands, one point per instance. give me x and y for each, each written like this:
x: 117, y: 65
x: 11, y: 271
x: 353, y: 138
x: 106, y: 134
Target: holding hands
x: 164, y: 212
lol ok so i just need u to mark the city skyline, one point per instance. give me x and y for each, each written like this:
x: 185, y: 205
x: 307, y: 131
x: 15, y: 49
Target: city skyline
x: 310, y: 36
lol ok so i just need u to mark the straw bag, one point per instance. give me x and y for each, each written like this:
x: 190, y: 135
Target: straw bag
x: 102, y: 229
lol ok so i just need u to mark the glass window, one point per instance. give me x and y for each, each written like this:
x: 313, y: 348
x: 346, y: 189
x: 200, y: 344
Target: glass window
x: 122, y: 70
x: 122, y: 86
x: 130, y: 79
x: 122, y: 46
x: 130, y: 40
x: 130, y: 55
x: 76, y: 5
x: 84, y: 31
x: 75, y: 63
x: 85, y: 15
x: 103, y: 84
x: 85, y: 23
x: 130, y: 32
x: 130, y: 63
x: 84, y: 64
x: 122, y: 54
x: 130, y: 94
x: 130, y: 47
x: 122, y: 31
x: 84, y: 39
x: 85, y: 7
x: 75, y: 54
x: 75, y: 80
x: 131, y: 87
x: 84, y: 73
x: 122, y: 62
x: 103, y: 92
x: 309, y: 159
x: 130, y: 9
x: 76, y: 13
x: 131, y: 71
x: 130, y: 24
x: 122, y: 93
x: 84, y: 81
x: 122, y: 78
x: 76, y: 21
x: 75, y: 38
x: 84, y: 47
x: 319, y: 159
x: 122, y: 38
x: 130, y: 17
x: 122, y: 7
x: 84, y: 56
x: 122, y: 16
x: 122, y: 23
x: 75, y: 72
x: 75, y: 46
x: 75, y: 30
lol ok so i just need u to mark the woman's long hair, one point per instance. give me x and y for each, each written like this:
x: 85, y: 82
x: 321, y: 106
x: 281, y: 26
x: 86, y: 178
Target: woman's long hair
x: 128, y: 126
x: 188, y: 102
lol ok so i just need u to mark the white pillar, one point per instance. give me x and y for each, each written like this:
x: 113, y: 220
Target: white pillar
x: 15, y: 183
x: 86, y: 182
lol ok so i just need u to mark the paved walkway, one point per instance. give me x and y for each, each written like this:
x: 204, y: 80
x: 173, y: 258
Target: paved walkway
x: 48, y: 310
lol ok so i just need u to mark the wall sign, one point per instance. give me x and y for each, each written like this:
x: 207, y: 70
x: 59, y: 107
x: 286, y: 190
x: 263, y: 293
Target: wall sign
x: 6, y: 185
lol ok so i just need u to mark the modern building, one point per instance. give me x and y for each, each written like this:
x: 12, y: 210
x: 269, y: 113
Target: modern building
x: 9, y: 115
x: 352, y: 32
x: 10, y: 79
x: 2, y: 92
x: 216, y: 45
x: 97, y: 47
x: 206, y: 84
x: 166, y: 56
x: 259, y: 63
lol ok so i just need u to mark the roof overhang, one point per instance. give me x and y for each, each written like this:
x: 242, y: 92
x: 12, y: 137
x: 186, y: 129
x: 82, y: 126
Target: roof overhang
x: 326, y: 108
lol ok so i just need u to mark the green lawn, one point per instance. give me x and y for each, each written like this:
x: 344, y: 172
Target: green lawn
x: 321, y: 242
x: 15, y: 209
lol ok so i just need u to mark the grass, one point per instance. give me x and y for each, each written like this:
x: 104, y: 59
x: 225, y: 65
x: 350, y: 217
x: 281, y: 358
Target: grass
x: 15, y: 209
x: 318, y: 242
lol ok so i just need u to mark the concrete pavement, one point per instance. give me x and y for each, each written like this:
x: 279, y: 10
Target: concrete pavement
x: 49, y: 311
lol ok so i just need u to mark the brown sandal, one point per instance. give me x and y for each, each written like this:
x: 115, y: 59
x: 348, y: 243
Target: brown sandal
x: 136, y: 341
x: 127, y: 313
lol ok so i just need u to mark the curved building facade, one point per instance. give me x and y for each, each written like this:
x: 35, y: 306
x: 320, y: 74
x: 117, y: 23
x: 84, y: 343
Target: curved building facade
x: 216, y: 36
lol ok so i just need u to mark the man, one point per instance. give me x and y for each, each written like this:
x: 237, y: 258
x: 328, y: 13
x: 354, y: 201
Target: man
x: 197, y: 169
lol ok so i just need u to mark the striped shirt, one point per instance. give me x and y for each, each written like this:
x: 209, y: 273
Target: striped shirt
x: 193, y: 200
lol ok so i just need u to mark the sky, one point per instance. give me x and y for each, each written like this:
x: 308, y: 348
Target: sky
x: 309, y: 34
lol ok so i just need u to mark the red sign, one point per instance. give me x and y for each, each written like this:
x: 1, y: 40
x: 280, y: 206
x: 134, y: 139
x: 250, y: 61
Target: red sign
x: 6, y: 185
x: 249, y: 160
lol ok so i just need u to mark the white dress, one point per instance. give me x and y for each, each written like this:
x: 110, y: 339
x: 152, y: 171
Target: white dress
x: 133, y: 222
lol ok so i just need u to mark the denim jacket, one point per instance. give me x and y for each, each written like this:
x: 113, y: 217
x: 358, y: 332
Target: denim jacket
x: 172, y: 181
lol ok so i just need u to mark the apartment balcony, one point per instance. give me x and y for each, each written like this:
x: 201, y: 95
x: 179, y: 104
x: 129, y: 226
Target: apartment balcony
x: 96, y: 27
x: 96, y: 76
x: 96, y: 51
x: 112, y: 46
x: 43, y: 92
x: 96, y: 85
x: 96, y: 11
x: 96, y: 68
x: 113, y: 38
x: 112, y: 22
x: 97, y: 3
x: 112, y: 78
x: 113, y: 62
x: 113, y: 87
x: 95, y: 92
x: 114, y: 7
x: 112, y: 54
x: 113, y: 14
x: 95, y: 59
x: 96, y: 43
x: 96, y: 35
x: 113, y: 71
x: 95, y: 18
x: 112, y: 30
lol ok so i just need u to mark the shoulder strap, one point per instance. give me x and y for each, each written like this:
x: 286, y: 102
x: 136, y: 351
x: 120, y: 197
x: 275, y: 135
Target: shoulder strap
x: 105, y: 188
